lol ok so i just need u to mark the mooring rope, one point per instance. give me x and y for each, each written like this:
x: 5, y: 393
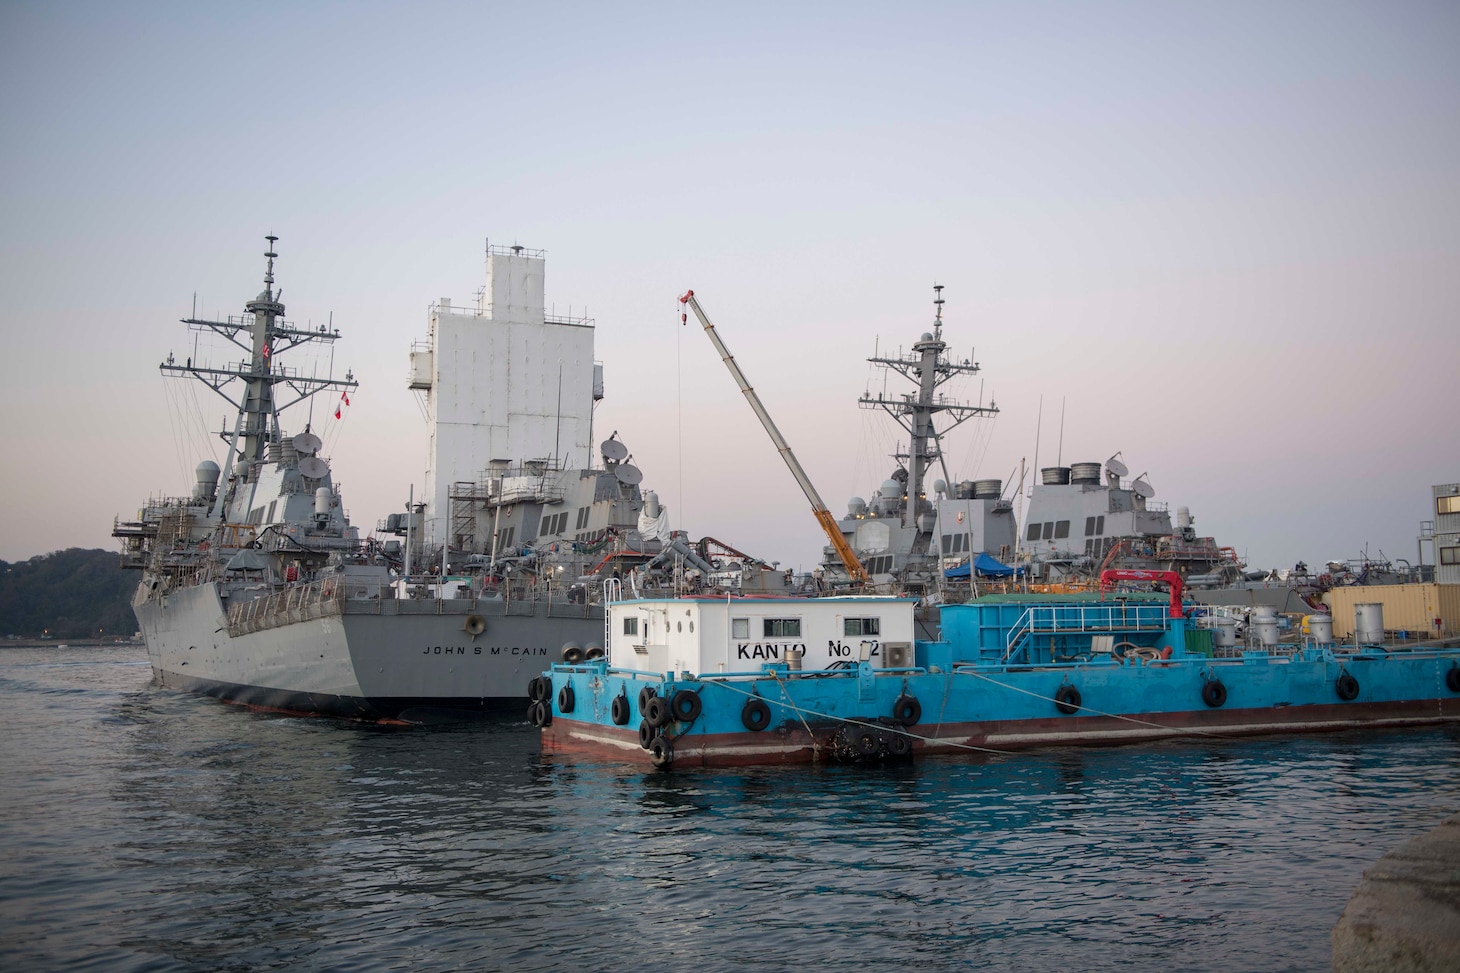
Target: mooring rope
x: 801, y: 713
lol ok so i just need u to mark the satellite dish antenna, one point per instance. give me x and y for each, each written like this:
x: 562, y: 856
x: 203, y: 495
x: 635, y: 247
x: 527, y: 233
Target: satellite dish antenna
x: 307, y: 444
x: 1115, y: 466
x: 628, y: 474
x: 1142, y: 488
x: 613, y: 451
x: 314, y: 468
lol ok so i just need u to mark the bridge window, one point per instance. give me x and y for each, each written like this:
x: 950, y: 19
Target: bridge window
x: 1062, y: 529
x: 861, y: 626
x: 782, y: 628
x: 1100, y: 525
x: 1033, y: 532
x: 1089, y: 531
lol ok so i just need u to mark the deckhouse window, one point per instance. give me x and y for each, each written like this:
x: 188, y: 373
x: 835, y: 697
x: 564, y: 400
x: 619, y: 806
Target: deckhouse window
x: 782, y: 628
x: 1450, y: 555
x: 631, y: 625
x: 740, y: 628
x: 861, y: 626
x: 1447, y: 505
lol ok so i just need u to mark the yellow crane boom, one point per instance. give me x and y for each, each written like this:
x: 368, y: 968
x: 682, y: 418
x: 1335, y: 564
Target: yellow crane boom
x: 823, y: 516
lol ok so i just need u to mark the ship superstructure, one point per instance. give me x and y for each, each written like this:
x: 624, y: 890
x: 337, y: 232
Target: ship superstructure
x: 1078, y: 524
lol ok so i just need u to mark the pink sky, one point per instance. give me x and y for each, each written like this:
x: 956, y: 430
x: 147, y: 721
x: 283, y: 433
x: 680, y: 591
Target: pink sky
x: 1225, y: 239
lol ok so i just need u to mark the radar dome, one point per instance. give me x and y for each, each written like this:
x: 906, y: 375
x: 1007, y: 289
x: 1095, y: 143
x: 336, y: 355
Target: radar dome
x: 939, y: 486
x: 207, y: 473
x: 856, y: 507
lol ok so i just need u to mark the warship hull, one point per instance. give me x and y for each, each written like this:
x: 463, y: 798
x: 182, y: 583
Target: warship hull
x: 373, y: 659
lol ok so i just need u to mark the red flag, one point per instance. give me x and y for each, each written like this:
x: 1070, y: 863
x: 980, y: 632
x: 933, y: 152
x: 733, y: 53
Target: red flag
x: 337, y: 412
x: 346, y: 397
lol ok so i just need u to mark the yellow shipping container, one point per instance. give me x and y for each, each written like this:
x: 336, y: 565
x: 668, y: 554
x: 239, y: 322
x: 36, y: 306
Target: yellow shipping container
x: 1412, y: 608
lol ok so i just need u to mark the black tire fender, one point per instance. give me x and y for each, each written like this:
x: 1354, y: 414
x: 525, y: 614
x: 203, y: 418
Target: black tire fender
x: 661, y: 753
x: 907, y: 710
x: 657, y: 712
x: 1346, y: 686
x: 1213, y: 693
x: 618, y: 710
x: 755, y: 714
x: 566, y: 699
x: 1067, y: 699
x: 686, y: 706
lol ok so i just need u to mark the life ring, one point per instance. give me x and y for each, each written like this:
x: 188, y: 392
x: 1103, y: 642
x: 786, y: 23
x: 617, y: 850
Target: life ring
x: 657, y: 712
x: 1067, y: 699
x: 572, y: 653
x: 646, y: 694
x: 619, y: 710
x: 661, y: 753
x: 1213, y: 693
x: 1346, y: 686
x: 565, y: 698
x: 474, y: 624
x: 686, y: 706
x: 647, y: 733
x: 907, y: 710
x: 898, y: 745
x: 866, y: 741
x: 755, y: 714
x: 1452, y: 679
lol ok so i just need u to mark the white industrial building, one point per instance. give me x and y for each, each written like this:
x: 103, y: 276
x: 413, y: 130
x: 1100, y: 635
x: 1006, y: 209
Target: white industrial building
x: 506, y: 384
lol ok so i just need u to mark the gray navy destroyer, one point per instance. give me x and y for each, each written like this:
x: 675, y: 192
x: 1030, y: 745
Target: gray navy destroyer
x: 257, y: 589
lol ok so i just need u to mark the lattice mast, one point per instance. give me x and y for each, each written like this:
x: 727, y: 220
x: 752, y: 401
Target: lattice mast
x: 928, y: 368
x: 263, y: 334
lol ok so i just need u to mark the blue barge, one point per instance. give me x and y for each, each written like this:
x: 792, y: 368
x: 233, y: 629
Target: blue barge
x: 731, y: 681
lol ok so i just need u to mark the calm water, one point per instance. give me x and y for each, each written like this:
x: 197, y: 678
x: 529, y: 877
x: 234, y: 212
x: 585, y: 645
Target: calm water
x: 142, y: 829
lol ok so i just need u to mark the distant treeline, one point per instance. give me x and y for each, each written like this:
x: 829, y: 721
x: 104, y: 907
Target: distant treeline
x: 71, y: 594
